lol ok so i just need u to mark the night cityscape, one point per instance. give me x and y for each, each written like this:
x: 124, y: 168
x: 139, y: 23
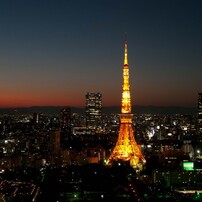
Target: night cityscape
x: 61, y: 157
x: 72, y: 127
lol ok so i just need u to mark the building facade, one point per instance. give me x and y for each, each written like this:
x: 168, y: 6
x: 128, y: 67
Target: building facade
x: 93, y: 111
x: 65, y: 117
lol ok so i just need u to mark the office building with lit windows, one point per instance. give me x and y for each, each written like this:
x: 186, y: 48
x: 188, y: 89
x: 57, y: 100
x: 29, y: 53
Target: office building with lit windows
x: 93, y: 111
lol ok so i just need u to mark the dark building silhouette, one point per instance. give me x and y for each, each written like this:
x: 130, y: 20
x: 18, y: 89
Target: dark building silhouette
x: 65, y: 126
x: 65, y: 117
x: 36, y: 118
x: 55, y: 144
x: 200, y: 111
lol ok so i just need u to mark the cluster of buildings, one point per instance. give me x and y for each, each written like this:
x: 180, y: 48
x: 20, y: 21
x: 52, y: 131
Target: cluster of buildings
x: 38, y: 139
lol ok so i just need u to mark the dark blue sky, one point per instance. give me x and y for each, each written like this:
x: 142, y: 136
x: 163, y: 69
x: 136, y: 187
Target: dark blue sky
x: 52, y: 52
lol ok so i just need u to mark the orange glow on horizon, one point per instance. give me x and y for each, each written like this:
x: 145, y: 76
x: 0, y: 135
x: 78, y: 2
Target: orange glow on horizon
x: 14, y: 102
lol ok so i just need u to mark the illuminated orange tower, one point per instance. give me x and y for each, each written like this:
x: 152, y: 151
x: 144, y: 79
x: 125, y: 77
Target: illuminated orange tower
x: 126, y: 148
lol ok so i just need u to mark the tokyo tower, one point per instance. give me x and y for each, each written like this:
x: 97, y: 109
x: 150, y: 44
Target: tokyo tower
x: 126, y: 148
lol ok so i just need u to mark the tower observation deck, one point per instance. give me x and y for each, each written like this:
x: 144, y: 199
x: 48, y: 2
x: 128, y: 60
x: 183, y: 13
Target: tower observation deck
x: 126, y: 148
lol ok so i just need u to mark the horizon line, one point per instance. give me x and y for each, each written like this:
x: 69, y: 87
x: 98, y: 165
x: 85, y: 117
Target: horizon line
x: 12, y: 107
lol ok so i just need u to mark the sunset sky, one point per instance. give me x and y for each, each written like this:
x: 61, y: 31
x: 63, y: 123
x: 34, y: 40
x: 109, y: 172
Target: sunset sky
x: 52, y: 52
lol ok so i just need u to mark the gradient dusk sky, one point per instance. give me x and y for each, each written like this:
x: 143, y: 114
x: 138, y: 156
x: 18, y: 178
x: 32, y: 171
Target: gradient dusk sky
x: 52, y: 52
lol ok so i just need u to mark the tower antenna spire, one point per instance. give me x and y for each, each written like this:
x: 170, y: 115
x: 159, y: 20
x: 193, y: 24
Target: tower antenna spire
x: 126, y: 51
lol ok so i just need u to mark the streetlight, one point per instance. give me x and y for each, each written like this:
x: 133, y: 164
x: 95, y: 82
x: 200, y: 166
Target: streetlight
x: 198, y: 152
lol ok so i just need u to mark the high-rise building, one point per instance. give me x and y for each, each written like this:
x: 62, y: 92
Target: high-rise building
x: 93, y: 110
x: 36, y: 117
x: 200, y: 111
x: 126, y: 148
x: 55, y: 140
x: 65, y: 117
x: 65, y: 126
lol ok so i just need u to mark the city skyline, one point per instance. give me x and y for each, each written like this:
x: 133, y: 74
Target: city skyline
x: 53, y: 52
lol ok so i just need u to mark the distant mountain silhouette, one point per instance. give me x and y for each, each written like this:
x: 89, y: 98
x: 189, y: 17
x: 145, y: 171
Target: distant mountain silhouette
x: 154, y: 110
x: 52, y: 110
x: 55, y: 110
x: 165, y: 110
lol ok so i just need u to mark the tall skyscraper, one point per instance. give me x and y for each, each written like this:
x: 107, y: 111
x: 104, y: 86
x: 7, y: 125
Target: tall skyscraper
x: 65, y: 117
x: 126, y: 148
x: 36, y: 117
x: 55, y: 140
x: 65, y: 126
x: 93, y: 110
x: 200, y: 111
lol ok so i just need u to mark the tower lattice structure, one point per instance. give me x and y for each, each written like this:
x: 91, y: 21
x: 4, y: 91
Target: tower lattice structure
x: 126, y: 148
